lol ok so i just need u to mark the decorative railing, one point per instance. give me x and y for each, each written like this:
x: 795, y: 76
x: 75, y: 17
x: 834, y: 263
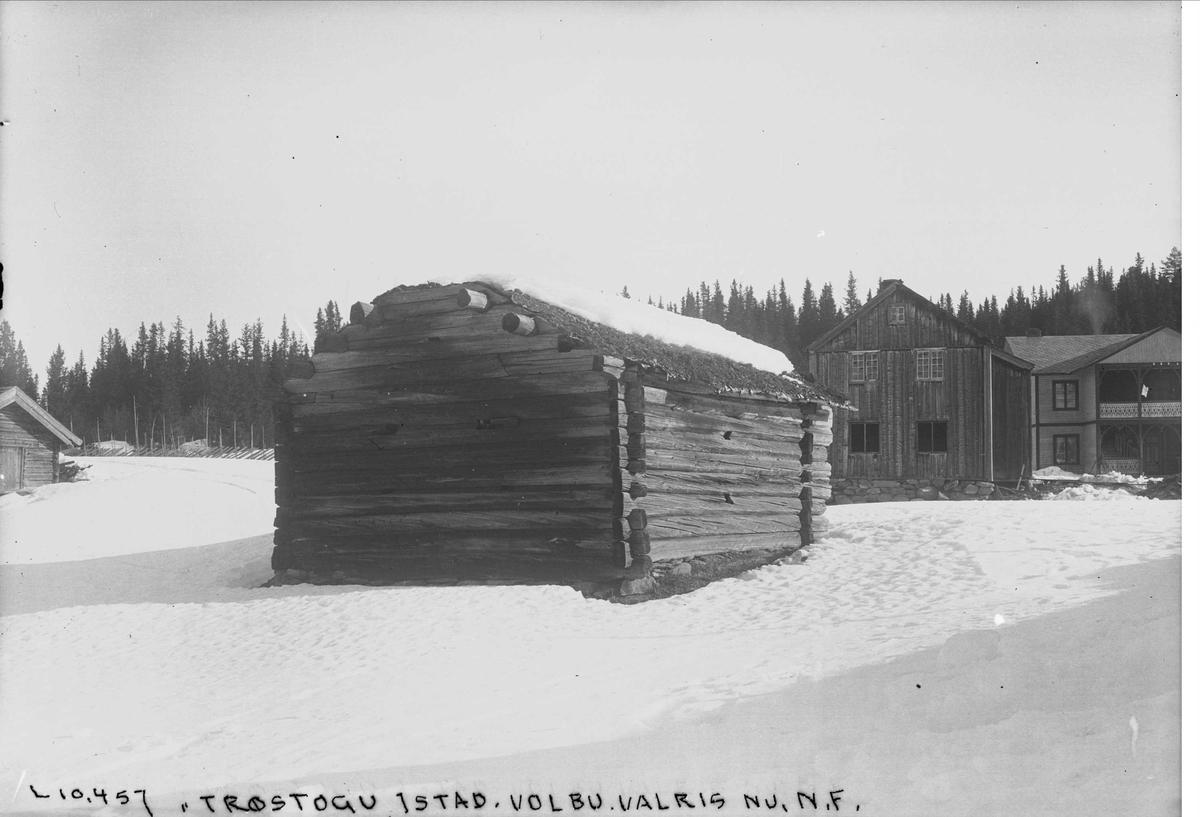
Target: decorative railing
x: 1118, y: 411
x: 1132, y: 466
x: 1129, y: 411
x: 1163, y: 409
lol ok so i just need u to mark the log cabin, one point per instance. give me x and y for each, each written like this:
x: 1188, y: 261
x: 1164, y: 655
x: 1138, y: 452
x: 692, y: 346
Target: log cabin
x: 30, y: 441
x: 473, y: 433
x: 1103, y: 403
x: 939, y: 411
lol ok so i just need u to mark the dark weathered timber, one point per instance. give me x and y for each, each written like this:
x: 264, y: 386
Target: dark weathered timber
x: 688, y: 546
x: 670, y: 526
x: 434, y: 443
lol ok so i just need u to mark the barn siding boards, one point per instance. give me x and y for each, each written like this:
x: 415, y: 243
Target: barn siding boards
x: 966, y: 398
x: 1010, y: 421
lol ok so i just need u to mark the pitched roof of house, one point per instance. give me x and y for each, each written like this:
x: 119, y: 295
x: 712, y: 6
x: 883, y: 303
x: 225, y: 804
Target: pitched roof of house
x: 1063, y: 354
x: 889, y: 288
x: 674, y: 360
x: 14, y: 396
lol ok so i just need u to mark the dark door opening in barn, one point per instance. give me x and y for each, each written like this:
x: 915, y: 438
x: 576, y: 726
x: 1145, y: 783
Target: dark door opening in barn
x: 1162, y: 451
x: 12, y: 471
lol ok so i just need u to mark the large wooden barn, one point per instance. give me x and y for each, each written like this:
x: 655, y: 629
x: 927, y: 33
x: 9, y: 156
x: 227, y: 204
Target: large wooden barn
x: 30, y: 440
x: 466, y: 432
x: 938, y: 409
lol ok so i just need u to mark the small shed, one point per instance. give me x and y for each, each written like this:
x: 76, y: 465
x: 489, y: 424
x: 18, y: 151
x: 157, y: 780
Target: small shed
x: 468, y: 432
x: 30, y: 439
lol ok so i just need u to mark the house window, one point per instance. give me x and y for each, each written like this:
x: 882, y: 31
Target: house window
x: 896, y: 314
x: 864, y: 366
x: 864, y: 438
x: 1066, y: 449
x: 931, y: 364
x: 931, y: 437
x: 1066, y: 395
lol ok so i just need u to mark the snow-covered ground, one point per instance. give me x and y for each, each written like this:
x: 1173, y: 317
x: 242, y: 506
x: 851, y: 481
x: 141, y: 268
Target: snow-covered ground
x: 927, y: 658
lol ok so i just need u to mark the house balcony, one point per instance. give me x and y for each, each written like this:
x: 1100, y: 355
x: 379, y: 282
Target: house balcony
x: 1129, y: 411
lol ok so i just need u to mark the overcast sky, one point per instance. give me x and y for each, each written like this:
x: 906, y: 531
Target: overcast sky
x: 252, y: 160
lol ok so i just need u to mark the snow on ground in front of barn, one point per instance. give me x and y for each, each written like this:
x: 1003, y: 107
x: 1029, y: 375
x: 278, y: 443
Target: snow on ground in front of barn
x: 159, y: 662
x: 136, y: 504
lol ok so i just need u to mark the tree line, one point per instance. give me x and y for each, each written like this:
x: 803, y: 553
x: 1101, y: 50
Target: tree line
x: 1103, y: 301
x: 169, y: 386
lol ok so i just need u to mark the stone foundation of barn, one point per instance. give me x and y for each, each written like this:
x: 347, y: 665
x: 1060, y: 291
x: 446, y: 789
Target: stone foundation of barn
x: 853, y: 491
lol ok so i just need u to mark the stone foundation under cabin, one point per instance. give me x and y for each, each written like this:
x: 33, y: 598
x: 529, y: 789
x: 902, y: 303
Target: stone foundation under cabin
x: 855, y: 491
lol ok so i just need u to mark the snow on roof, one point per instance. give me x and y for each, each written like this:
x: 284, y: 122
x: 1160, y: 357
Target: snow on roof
x: 627, y: 315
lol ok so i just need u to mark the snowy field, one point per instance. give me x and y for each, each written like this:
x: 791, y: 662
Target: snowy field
x: 927, y: 658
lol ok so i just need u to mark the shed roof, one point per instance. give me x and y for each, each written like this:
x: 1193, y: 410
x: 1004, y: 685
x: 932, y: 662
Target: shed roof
x: 674, y: 360
x: 1063, y: 354
x: 14, y: 396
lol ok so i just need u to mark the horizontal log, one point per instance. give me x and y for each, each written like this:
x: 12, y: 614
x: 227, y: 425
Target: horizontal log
x: 566, y: 523
x: 547, y: 498
x: 432, y: 293
x: 536, y: 362
x: 509, y: 540
x: 479, y: 460
x: 452, y: 391
x: 680, y: 443
x: 426, y: 349
x: 721, y: 462
x: 689, y: 546
x: 464, y: 368
x: 517, y: 324
x: 661, y: 504
x: 365, y: 313
x: 355, y: 482
x: 318, y: 419
x: 654, y: 482
x: 666, y: 418
x: 571, y: 430
x: 738, y: 407
x: 472, y: 299
x: 400, y: 313
x: 663, y: 527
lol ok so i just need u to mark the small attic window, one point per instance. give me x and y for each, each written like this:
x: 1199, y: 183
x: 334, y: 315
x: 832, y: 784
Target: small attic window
x: 896, y: 315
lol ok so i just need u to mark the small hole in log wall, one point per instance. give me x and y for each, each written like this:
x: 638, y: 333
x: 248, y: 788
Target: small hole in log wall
x: 729, y: 436
x: 728, y: 498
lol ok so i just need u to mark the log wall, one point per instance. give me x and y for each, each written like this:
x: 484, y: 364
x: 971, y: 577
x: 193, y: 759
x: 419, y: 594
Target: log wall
x: 720, y: 474
x: 426, y: 442
x: 449, y: 435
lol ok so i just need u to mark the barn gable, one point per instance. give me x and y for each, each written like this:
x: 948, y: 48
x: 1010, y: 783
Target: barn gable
x: 466, y: 432
x: 899, y: 318
x: 932, y: 401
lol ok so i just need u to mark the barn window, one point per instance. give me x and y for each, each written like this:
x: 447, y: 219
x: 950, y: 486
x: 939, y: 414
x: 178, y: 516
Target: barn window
x: 931, y: 364
x: 864, y: 438
x: 1066, y: 395
x: 896, y: 315
x: 1066, y: 449
x: 931, y: 437
x: 864, y: 366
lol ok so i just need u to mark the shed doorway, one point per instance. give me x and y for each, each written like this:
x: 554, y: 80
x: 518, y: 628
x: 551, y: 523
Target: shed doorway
x: 12, y: 470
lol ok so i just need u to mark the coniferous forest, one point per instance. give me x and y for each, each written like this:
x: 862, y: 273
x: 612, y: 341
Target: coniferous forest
x: 165, y: 386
